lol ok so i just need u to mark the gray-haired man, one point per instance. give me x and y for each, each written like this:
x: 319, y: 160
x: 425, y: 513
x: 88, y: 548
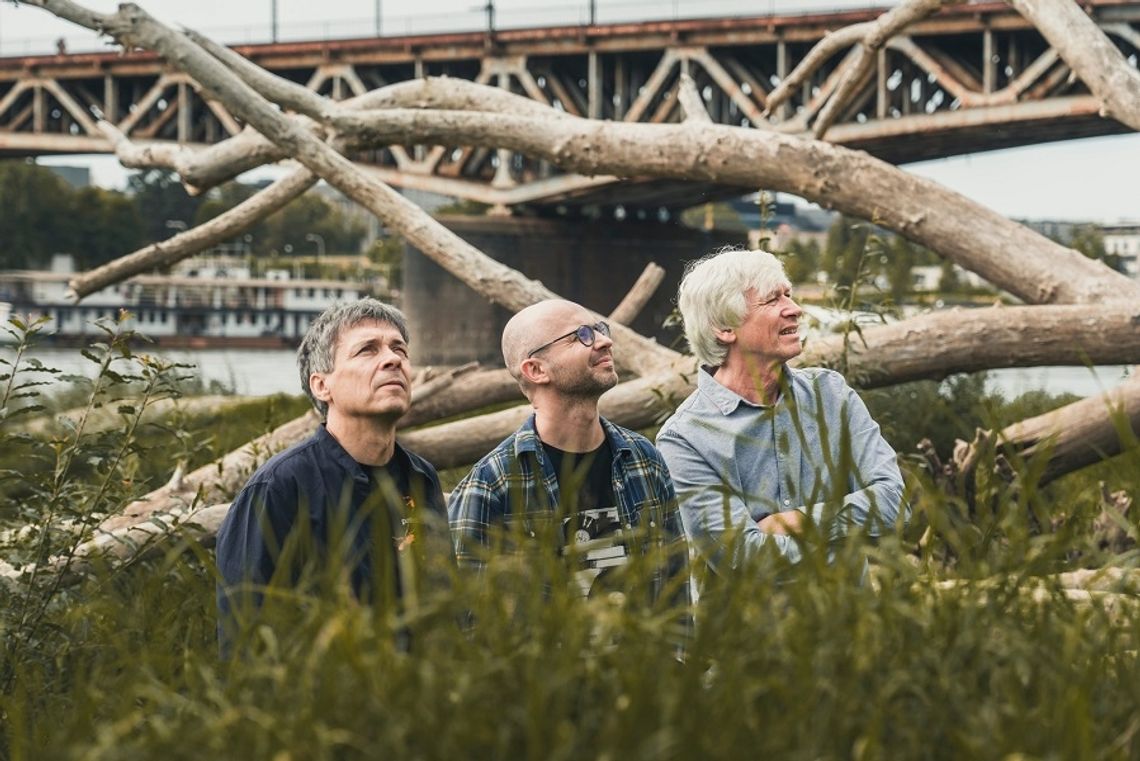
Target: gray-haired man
x: 349, y: 498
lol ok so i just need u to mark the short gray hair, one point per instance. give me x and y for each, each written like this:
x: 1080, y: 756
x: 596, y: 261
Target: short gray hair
x: 318, y: 347
x: 711, y: 296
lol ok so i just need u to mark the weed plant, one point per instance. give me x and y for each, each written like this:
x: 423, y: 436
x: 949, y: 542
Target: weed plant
x: 962, y: 642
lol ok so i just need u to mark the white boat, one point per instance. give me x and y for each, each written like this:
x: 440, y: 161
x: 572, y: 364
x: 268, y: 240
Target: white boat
x: 202, y: 306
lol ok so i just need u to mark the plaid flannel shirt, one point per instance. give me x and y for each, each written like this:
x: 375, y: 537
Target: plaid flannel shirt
x: 517, y: 481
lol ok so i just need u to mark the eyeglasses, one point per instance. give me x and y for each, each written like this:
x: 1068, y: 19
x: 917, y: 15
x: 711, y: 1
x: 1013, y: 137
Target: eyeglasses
x: 586, y: 335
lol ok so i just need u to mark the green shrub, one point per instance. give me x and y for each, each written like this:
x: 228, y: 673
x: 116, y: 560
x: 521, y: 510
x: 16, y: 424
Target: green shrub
x: 960, y: 644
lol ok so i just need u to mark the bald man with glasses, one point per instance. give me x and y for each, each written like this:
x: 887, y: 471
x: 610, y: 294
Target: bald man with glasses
x: 568, y: 474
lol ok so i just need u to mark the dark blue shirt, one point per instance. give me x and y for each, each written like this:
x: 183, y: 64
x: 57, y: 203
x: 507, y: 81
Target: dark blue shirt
x: 317, y: 497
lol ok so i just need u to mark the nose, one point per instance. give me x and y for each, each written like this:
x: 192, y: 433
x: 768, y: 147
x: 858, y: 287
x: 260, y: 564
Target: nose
x: 602, y: 341
x: 390, y: 358
x: 791, y: 308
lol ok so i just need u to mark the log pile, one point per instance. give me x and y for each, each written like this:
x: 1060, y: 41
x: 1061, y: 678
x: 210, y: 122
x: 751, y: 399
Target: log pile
x: 1077, y: 309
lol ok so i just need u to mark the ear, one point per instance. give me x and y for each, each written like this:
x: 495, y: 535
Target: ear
x: 725, y: 335
x: 319, y: 388
x: 534, y: 372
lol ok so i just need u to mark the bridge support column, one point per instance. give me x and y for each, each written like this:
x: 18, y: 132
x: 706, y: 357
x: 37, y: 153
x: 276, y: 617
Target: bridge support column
x: 593, y: 263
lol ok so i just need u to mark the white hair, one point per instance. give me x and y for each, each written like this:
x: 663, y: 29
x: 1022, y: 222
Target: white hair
x: 712, y: 296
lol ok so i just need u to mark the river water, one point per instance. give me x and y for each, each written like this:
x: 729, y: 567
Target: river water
x: 261, y: 372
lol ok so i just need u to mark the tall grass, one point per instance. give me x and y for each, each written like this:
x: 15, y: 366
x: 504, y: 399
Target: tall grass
x: 963, y: 643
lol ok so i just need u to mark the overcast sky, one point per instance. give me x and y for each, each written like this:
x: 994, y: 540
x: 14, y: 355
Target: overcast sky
x: 1092, y: 179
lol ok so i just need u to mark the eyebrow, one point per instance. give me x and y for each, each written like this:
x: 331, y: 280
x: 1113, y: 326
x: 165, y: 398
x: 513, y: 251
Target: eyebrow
x: 396, y: 343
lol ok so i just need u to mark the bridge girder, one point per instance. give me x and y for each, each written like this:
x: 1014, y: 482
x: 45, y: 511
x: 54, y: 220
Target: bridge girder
x: 970, y: 79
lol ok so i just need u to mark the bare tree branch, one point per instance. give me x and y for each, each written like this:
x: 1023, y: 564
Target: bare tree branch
x: 691, y: 102
x: 1090, y: 54
x: 483, y: 274
x: 220, y: 228
x: 1005, y: 253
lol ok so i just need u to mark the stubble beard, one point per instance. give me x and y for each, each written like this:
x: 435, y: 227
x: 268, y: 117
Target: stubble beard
x: 592, y: 384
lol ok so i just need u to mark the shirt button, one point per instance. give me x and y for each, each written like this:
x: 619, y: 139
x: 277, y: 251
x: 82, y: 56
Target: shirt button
x: 787, y: 502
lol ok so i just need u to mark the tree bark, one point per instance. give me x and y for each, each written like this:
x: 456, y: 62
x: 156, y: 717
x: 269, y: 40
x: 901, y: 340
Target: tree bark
x: 221, y: 228
x: 1089, y: 53
x: 491, y: 279
x: 1078, y: 434
x: 1005, y: 253
x: 934, y: 345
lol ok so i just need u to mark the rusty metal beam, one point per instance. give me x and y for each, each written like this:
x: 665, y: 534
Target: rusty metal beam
x: 628, y: 69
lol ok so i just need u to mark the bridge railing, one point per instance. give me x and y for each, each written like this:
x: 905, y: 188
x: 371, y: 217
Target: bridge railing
x: 474, y: 17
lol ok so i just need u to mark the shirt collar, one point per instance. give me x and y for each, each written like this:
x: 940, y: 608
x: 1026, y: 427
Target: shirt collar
x: 527, y: 440
x: 725, y: 399
x: 332, y: 448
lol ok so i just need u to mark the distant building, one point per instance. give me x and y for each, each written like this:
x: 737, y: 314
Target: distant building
x: 927, y: 278
x: 1124, y: 241
x: 782, y: 222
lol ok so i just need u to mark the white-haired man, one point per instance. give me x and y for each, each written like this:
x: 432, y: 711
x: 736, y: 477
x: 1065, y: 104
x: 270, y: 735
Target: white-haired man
x: 606, y: 487
x: 759, y: 446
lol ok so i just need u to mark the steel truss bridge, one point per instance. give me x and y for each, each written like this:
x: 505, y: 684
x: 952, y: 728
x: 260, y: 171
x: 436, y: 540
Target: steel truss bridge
x: 972, y: 78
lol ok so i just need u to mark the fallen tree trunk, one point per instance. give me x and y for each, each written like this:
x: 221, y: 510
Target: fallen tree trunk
x: 635, y: 404
x: 927, y: 347
x: 466, y: 390
x: 1005, y: 253
x: 215, y: 482
x: 935, y: 345
x: 1073, y: 436
x: 881, y: 356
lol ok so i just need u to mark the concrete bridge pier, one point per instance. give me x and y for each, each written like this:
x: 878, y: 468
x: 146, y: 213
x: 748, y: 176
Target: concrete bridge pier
x: 592, y: 262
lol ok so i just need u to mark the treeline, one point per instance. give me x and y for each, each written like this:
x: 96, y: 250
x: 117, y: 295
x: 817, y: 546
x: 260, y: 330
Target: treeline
x: 42, y: 215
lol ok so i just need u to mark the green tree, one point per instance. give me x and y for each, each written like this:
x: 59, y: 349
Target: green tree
x: 32, y: 215
x: 285, y: 232
x: 801, y: 260
x: 846, y: 241
x: 160, y: 197
x: 1089, y: 240
x: 949, y: 282
x: 41, y: 215
x: 902, y: 255
x: 103, y: 225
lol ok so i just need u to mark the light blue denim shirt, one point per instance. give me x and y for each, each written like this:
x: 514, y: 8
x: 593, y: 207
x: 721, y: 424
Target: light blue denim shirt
x: 816, y: 450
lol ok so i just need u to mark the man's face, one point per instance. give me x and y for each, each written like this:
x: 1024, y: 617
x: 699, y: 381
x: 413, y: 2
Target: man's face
x: 371, y: 375
x: 576, y: 369
x: 771, y: 327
